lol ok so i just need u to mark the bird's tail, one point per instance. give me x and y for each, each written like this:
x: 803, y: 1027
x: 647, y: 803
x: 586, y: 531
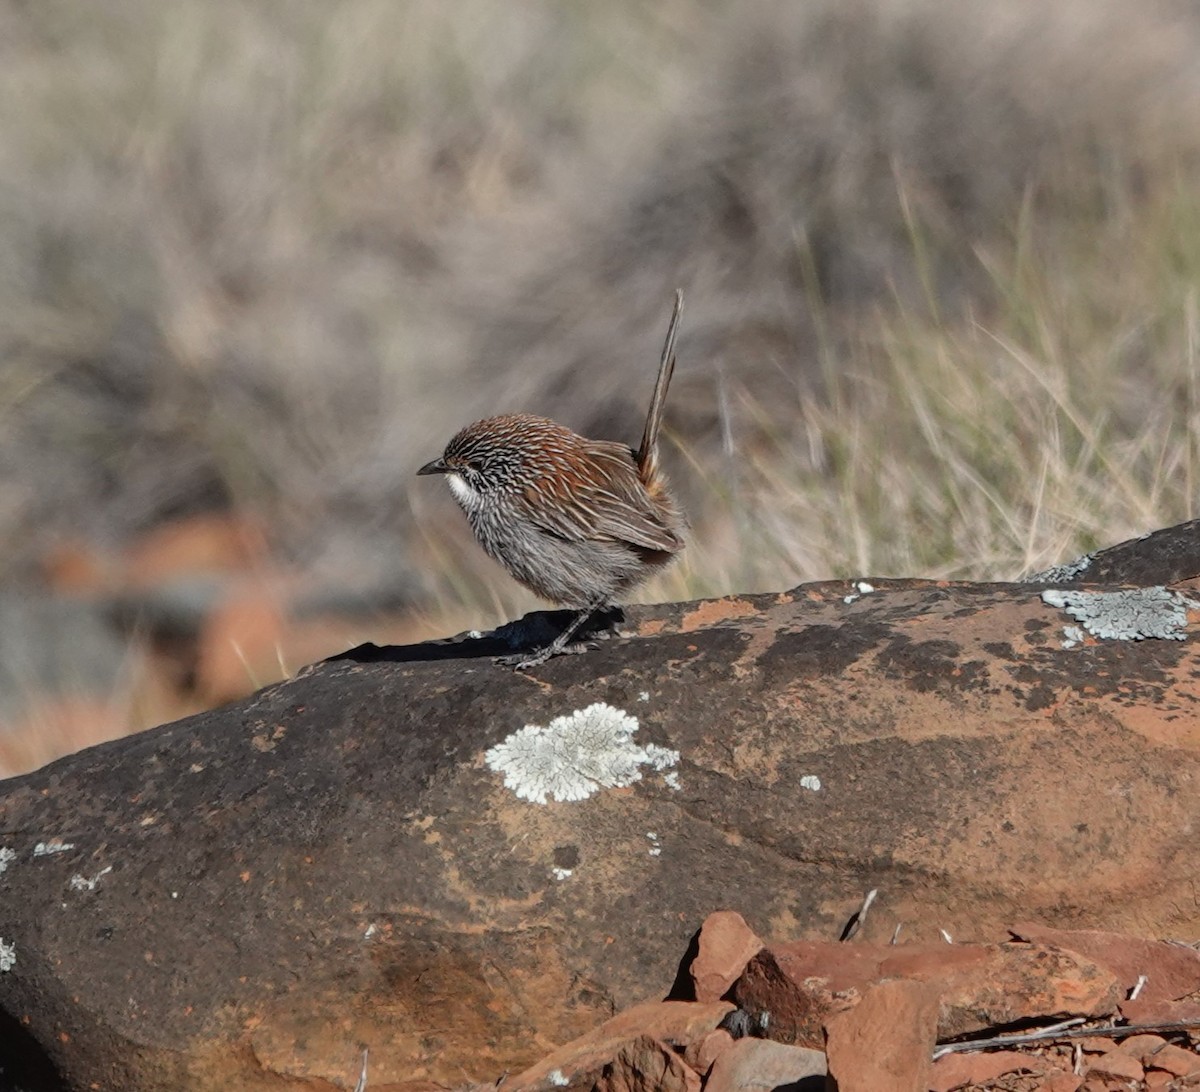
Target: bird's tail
x: 647, y: 455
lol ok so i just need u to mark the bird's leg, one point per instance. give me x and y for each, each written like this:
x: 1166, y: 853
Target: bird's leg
x: 559, y: 646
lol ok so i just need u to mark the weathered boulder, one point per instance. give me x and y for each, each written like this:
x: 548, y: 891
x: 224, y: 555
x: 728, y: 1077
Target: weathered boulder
x: 379, y: 852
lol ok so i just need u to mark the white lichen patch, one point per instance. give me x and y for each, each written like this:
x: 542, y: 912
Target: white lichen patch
x: 8, y: 956
x: 562, y: 873
x: 6, y: 855
x: 1062, y: 574
x: 1133, y: 614
x: 575, y: 756
x: 660, y: 758
x: 810, y: 782
x: 671, y: 780
x: 861, y: 588
x: 1072, y: 636
x: 556, y: 1077
x: 82, y: 883
x: 48, y: 849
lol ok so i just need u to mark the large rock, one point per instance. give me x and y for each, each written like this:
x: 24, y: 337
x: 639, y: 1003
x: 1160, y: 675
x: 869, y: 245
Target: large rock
x: 246, y: 898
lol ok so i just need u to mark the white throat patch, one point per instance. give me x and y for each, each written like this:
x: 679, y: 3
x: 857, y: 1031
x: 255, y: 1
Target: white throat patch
x: 459, y: 487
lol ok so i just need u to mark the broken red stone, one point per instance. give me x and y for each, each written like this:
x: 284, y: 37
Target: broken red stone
x: 1172, y: 970
x: 631, y: 1038
x: 1142, y: 1011
x: 761, y: 1064
x: 886, y: 1040
x: 647, y: 1063
x: 1141, y: 1046
x: 726, y: 945
x: 804, y: 983
x: 953, y: 1071
x: 1115, y: 1064
x: 1061, y: 1082
x: 1174, y: 1060
x: 702, y: 1053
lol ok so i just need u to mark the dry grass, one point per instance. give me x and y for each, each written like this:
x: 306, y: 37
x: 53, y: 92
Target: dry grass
x: 941, y: 262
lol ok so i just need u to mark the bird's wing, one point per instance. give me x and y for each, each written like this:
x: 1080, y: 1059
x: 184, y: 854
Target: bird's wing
x: 603, y: 499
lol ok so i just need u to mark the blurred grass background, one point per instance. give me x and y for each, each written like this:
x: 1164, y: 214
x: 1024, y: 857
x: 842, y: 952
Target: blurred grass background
x: 258, y: 262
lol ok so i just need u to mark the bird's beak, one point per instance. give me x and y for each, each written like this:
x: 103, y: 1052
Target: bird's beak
x: 438, y: 466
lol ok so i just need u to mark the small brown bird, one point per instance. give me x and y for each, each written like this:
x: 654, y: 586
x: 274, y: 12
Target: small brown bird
x: 579, y: 522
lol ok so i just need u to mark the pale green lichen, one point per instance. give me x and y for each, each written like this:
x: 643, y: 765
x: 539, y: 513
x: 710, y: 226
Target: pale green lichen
x: 1131, y: 614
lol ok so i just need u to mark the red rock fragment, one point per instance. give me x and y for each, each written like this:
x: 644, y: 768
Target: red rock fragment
x: 666, y: 1023
x: 1175, y: 1060
x: 647, y: 1063
x: 1158, y: 1079
x: 1172, y: 970
x: 701, y: 1053
x: 1115, y: 1064
x: 726, y: 944
x: 802, y: 984
x: 1142, y: 1011
x: 959, y: 1070
x: 760, y: 1064
x: 886, y: 1040
x: 1061, y: 1082
x: 1141, y: 1046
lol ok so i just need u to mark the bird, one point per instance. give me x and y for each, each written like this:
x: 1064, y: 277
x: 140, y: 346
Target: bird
x: 578, y: 522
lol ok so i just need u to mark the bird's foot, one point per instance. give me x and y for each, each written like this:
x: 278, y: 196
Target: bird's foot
x: 527, y: 660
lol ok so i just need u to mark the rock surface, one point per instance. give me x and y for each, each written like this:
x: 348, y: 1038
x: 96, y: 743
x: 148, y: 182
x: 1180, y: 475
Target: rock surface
x: 644, y: 1030
x: 805, y: 985
x: 886, y: 1040
x: 726, y: 945
x: 758, y: 1065
x: 249, y: 896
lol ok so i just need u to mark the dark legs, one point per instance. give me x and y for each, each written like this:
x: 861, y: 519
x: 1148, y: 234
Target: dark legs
x: 559, y: 646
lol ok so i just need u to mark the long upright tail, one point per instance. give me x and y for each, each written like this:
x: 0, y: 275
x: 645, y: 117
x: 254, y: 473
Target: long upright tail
x: 647, y: 455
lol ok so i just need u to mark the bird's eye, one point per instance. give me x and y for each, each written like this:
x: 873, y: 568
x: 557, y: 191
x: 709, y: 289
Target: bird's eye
x: 475, y: 465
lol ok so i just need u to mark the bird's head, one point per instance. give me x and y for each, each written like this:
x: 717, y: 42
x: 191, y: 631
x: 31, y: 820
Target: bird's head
x: 490, y: 457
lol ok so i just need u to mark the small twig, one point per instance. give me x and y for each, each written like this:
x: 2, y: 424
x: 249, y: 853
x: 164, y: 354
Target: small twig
x: 896, y: 931
x: 1065, y: 1031
x: 362, y: 1077
x: 859, y: 916
x: 1137, y: 987
x: 1047, y: 1032
x: 946, y: 936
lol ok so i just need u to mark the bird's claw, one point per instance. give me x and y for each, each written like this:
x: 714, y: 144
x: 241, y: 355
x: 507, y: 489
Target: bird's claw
x: 526, y: 661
